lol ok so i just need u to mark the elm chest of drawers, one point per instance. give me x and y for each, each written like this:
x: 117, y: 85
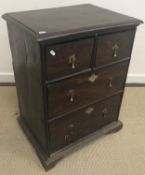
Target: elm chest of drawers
x: 70, y: 66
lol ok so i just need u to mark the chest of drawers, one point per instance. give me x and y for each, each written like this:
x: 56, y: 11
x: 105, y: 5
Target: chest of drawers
x: 70, y: 66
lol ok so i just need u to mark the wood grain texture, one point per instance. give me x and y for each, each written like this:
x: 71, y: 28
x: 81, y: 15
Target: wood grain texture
x: 106, y: 44
x: 27, y: 71
x: 49, y: 162
x: 92, y: 158
x: 69, y: 20
x: 79, y: 124
x: 58, y: 65
x: 85, y: 92
x: 61, y: 108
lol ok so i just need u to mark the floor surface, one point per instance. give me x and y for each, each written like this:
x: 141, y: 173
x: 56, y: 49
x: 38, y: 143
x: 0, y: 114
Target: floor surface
x: 122, y: 153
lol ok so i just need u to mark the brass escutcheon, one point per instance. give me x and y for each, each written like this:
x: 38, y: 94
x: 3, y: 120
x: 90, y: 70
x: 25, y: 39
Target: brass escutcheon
x: 93, y: 78
x: 89, y: 110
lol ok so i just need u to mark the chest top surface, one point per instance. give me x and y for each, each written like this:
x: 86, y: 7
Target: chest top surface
x: 72, y: 19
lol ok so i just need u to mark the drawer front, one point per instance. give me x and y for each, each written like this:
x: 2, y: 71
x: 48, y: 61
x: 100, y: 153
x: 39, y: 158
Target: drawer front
x: 75, y: 92
x: 67, y: 129
x: 63, y: 59
x: 113, y: 47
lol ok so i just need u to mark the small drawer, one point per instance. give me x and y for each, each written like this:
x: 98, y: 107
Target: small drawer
x: 66, y: 130
x: 72, y: 93
x: 67, y: 58
x: 113, y: 47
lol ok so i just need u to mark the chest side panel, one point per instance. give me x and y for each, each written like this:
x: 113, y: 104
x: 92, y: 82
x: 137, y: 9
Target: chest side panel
x: 27, y: 70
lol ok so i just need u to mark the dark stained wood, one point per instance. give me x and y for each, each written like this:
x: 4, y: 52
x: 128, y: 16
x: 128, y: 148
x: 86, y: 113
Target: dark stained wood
x: 127, y: 84
x: 27, y: 71
x: 135, y: 84
x: 61, y: 108
x: 83, y: 122
x: 106, y: 45
x: 49, y: 162
x: 85, y: 92
x: 69, y: 20
x: 59, y: 65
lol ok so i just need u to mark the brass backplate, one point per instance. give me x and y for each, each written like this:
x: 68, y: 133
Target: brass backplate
x: 89, y: 110
x: 93, y: 78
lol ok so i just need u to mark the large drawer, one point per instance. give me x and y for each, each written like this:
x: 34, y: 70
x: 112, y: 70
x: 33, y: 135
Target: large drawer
x: 66, y: 130
x: 70, y: 57
x: 113, y: 47
x: 72, y: 93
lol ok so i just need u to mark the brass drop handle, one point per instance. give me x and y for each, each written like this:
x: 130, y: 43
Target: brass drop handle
x: 104, y: 112
x: 110, y: 82
x: 71, y: 95
x: 115, y: 49
x: 72, y: 61
x: 70, y: 131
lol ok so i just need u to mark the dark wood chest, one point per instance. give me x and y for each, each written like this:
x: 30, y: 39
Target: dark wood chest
x: 70, y: 66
